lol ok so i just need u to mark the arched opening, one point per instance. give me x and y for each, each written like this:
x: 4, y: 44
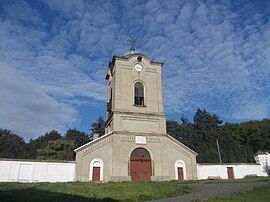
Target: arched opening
x: 140, y: 165
x: 138, y: 94
x: 180, y: 170
x: 96, y: 170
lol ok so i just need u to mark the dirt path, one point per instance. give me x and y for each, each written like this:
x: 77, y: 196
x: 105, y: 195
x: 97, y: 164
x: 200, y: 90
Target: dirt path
x: 213, y: 190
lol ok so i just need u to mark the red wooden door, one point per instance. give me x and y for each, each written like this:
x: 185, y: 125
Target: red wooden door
x: 135, y: 170
x: 96, y: 174
x: 146, y: 170
x: 230, y: 173
x: 180, y: 174
x: 140, y: 165
x: 140, y: 169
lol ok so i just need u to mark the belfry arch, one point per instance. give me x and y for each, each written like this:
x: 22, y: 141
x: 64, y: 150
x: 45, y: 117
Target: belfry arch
x: 139, y: 94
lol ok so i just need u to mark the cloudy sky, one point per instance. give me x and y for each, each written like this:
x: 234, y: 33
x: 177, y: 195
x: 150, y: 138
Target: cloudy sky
x: 54, y: 55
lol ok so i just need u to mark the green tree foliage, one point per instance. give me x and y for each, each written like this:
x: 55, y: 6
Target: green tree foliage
x: 238, y: 142
x: 206, y: 121
x: 77, y: 137
x: 184, y: 120
x: 57, y: 150
x: 11, y: 145
x: 41, y: 142
x: 44, y: 147
x: 173, y: 129
x: 206, y: 127
x: 98, y: 126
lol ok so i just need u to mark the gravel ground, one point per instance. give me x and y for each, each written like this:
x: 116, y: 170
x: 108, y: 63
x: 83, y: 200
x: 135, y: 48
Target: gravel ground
x: 206, y: 191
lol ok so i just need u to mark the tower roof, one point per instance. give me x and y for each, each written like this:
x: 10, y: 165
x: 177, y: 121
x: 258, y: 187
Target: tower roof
x: 131, y: 52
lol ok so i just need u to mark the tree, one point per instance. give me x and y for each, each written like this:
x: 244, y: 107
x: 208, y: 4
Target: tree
x: 41, y: 142
x: 98, y: 126
x: 184, y: 120
x: 11, y: 145
x: 77, y: 137
x: 264, y: 127
x: 57, y: 150
x: 206, y: 121
x: 173, y: 129
x: 207, y: 129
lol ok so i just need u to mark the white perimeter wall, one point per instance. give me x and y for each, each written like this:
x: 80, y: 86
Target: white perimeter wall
x: 30, y: 171
x: 220, y: 170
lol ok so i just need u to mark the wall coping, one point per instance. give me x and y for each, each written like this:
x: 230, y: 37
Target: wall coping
x: 37, y: 160
x: 228, y: 164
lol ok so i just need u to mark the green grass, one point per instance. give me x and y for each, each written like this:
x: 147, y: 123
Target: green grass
x: 118, y: 191
x: 77, y: 191
x: 261, y: 194
x: 244, y: 180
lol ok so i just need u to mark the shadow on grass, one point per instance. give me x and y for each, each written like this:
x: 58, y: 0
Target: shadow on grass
x: 32, y: 194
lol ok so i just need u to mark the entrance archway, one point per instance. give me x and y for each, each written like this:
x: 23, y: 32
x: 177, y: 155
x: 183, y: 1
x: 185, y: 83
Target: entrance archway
x: 180, y: 170
x: 140, y: 165
x: 96, y: 170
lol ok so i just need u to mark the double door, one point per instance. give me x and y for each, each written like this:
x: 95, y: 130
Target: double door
x: 140, y: 169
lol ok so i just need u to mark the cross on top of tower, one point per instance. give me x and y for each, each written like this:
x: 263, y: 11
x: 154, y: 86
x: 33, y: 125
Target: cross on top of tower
x: 133, y: 42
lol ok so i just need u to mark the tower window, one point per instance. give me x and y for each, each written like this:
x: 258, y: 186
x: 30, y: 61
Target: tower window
x: 139, y: 94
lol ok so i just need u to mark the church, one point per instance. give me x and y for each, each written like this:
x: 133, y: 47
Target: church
x: 135, y: 146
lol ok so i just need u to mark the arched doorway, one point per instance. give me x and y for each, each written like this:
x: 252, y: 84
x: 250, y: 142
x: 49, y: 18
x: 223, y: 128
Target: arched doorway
x: 96, y: 170
x: 180, y: 170
x: 140, y: 165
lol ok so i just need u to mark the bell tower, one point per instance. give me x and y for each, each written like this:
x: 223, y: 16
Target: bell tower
x: 135, y: 146
x: 135, y: 102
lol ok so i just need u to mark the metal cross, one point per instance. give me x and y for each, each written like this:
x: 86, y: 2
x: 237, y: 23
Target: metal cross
x: 132, y: 41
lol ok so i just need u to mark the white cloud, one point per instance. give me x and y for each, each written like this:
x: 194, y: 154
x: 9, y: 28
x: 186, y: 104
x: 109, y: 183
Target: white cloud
x: 215, y: 57
x: 216, y: 54
x: 27, y: 110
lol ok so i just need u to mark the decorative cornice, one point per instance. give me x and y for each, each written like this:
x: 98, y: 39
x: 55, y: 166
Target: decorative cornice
x: 93, y: 142
x: 138, y: 113
x: 98, y: 145
x: 123, y: 132
x: 127, y: 139
x: 138, y: 54
x: 153, y: 140
x: 177, y: 145
x: 132, y: 139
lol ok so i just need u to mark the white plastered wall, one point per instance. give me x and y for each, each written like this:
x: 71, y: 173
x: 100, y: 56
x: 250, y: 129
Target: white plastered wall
x: 220, y: 170
x: 30, y: 171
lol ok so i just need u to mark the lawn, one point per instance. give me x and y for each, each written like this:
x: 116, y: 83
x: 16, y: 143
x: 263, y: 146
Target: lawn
x: 118, y: 191
x: 243, y: 180
x: 77, y: 191
x: 259, y: 195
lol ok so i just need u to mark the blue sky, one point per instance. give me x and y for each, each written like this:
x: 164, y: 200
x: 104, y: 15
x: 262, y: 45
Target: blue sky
x: 54, y: 56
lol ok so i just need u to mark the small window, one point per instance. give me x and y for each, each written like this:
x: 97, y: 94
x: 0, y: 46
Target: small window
x: 139, y: 94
